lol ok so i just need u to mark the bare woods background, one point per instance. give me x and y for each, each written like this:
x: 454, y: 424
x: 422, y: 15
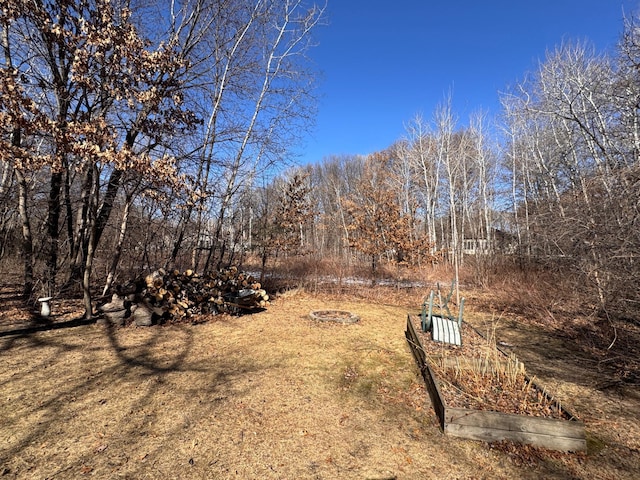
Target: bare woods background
x: 138, y: 135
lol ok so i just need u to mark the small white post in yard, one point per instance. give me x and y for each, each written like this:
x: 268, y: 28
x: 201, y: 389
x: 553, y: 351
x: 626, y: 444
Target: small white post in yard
x: 45, y: 308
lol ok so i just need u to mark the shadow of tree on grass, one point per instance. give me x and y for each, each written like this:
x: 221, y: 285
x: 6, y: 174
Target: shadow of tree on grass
x: 98, y: 391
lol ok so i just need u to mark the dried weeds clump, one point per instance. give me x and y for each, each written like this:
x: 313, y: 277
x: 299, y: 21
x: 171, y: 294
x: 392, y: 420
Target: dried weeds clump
x: 477, y: 375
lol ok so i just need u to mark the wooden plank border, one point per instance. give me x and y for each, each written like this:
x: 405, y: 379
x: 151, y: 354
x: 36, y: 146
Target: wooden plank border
x: 490, y: 426
x: 429, y: 378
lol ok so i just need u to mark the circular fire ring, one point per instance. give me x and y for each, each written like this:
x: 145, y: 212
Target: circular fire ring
x: 339, y: 316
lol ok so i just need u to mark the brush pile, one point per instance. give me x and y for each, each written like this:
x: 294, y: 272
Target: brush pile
x: 174, y: 296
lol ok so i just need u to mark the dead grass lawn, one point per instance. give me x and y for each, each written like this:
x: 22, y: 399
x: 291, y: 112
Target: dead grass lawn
x: 273, y: 395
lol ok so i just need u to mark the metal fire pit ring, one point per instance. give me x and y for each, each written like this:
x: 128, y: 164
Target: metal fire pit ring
x: 339, y: 316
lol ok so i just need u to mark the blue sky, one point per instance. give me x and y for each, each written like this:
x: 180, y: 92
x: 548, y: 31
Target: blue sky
x: 383, y: 62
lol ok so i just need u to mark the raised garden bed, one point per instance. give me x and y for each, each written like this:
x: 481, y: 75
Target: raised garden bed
x: 490, y: 411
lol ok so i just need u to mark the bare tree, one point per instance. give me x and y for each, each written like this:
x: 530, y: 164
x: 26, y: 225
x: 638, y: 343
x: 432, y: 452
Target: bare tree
x: 102, y: 100
x: 420, y: 148
x: 258, y: 90
x: 446, y: 140
x: 573, y: 130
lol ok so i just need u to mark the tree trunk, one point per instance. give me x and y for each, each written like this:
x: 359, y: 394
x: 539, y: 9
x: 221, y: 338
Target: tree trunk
x: 86, y: 282
x: 53, y: 220
x: 69, y: 213
x: 27, y: 239
x: 16, y: 141
x: 107, y: 205
x: 97, y: 229
x: 89, y: 253
x: 80, y: 235
x: 118, y: 249
x: 177, y: 245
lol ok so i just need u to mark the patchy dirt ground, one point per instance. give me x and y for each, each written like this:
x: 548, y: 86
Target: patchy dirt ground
x: 275, y: 395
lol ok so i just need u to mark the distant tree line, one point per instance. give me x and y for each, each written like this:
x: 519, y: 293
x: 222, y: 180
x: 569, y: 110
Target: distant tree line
x: 554, y: 183
x: 137, y: 135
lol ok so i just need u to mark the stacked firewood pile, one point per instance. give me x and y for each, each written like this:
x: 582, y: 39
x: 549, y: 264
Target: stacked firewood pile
x: 174, y: 296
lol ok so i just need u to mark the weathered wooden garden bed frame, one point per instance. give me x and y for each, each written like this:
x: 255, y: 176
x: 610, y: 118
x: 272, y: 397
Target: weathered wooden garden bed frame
x: 491, y: 426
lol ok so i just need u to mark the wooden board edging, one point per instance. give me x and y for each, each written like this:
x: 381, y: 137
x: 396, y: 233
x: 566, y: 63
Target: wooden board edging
x: 490, y: 426
x: 552, y: 442
x: 513, y: 422
x: 437, y: 400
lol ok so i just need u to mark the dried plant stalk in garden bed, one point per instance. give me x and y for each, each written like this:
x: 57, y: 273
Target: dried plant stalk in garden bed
x: 477, y: 375
x: 480, y: 393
